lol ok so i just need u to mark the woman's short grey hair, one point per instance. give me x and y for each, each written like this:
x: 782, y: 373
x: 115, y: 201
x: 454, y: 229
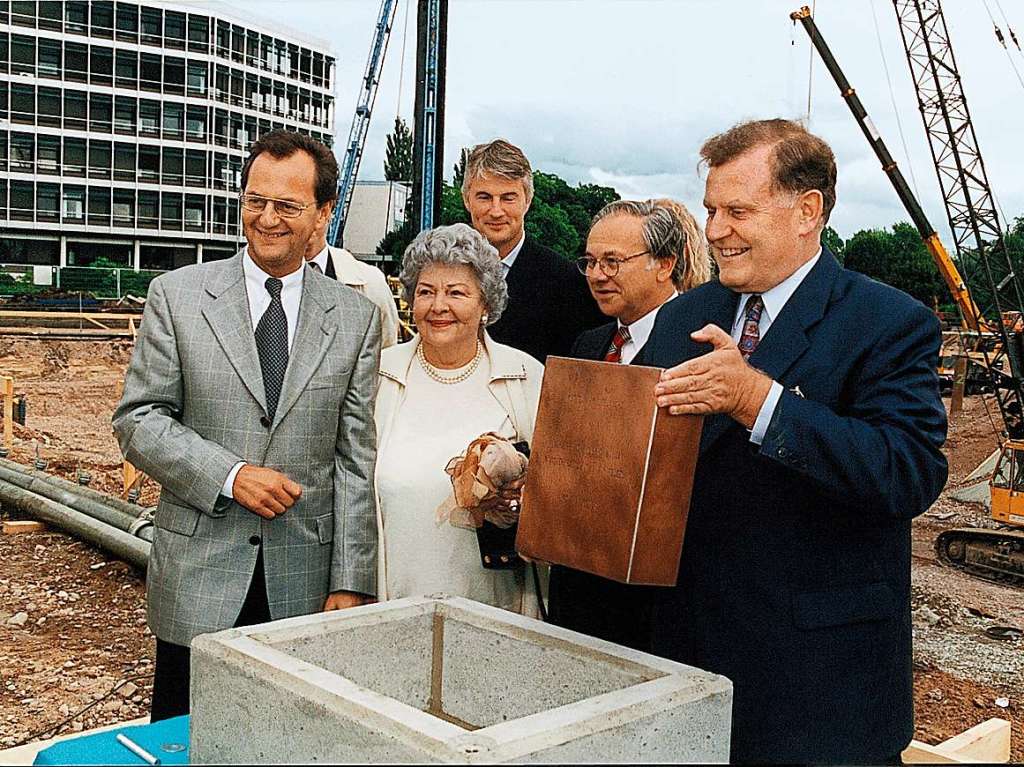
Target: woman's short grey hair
x: 451, y: 246
x: 663, y: 236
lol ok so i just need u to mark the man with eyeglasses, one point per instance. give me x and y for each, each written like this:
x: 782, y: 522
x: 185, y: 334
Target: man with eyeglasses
x: 548, y: 303
x: 632, y: 249
x: 249, y: 398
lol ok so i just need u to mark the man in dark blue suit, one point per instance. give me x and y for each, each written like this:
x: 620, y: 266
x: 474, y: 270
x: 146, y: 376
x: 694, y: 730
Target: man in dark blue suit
x: 821, y: 444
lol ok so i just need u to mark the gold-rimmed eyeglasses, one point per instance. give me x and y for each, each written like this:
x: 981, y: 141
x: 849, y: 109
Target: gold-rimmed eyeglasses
x: 609, y: 264
x: 256, y: 203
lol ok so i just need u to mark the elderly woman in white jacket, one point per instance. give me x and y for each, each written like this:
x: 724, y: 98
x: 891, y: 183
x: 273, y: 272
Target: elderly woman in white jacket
x: 438, y: 392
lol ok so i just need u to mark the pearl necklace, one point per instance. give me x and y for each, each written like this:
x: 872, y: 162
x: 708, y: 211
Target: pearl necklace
x: 436, y: 374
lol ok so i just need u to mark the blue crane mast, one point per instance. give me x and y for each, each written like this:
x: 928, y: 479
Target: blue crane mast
x: 428, y: 145
x: 361, y: 120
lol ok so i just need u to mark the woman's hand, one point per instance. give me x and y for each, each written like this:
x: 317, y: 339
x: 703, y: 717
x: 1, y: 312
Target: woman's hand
x: 503, y: 509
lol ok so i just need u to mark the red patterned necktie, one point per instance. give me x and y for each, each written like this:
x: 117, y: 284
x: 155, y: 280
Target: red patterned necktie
x: 618, y: 341
x: 751, y: 326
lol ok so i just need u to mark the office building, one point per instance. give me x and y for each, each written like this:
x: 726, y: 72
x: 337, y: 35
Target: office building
x: 124, y: 125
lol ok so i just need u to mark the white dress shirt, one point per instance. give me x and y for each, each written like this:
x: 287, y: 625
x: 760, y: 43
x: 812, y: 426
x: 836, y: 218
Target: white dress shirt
x: 507, y: 261
x: 774, y: 300
x: 639, y: 332
x: 320, y: 259
x: 259, y: 300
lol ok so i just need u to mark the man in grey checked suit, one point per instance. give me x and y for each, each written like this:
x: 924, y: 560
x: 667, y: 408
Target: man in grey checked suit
x: 249, y: 398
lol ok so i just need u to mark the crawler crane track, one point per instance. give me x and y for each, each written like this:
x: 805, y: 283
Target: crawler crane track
x: 993, y: 555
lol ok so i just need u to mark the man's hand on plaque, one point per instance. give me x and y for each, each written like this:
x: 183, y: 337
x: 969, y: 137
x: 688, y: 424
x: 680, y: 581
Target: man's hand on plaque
x: 720, y: 381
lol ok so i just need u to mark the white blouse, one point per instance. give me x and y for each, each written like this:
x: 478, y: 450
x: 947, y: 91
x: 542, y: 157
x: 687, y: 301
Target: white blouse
x: 435, y: 423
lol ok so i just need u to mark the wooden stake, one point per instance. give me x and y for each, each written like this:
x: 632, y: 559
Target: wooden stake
x: 956, y: 398
x: 15, y: 527
x: 8, y: 395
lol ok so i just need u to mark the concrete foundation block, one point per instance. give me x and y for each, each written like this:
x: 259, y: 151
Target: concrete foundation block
x: 438, y: 679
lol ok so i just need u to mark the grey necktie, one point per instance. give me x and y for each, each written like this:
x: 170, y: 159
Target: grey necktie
x: 315, y: 267
x: 272, y: 345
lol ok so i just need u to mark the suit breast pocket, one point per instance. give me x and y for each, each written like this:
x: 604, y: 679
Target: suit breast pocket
x: 330, y: 381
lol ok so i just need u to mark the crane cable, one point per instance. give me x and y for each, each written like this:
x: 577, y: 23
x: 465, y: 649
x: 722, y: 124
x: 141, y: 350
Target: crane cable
x: 401, y: 67
x: 892, y: 98
x: 1002, y: 41
x: 1013, y: 35
x: 810, y: 65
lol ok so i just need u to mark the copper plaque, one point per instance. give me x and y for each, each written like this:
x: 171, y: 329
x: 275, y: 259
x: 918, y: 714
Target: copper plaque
x: 610, y: 475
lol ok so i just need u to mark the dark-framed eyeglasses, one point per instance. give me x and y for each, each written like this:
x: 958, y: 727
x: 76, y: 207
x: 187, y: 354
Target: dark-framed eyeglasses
x: 256, y: 203
x: 608, y: 264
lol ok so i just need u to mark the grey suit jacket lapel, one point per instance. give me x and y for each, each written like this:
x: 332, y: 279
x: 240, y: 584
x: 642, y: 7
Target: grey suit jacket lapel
x: 231, y: 322
x: 313, y: 337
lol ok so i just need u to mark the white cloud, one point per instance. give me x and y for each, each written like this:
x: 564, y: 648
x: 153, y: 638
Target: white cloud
x: 626, y: 90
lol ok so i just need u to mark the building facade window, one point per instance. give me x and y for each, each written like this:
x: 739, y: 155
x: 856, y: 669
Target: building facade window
x: 136, y: 116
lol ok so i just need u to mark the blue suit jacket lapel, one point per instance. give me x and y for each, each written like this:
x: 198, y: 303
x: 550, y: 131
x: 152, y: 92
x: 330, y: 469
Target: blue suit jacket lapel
x: 786, y: 340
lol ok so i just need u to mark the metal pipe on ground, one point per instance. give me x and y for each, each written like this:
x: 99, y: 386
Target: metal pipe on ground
x: 86, y: 492
x: 112, y: 511
x: 117, y: 542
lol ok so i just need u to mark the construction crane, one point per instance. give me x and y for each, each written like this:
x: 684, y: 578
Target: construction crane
x: 361, y: 120
x: 995, y: 317
x: 428, y: 129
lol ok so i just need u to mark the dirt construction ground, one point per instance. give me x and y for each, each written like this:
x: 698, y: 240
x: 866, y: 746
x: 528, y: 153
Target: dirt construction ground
x: 72, y: 621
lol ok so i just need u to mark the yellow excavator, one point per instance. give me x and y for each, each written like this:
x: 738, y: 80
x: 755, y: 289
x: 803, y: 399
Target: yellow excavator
x: 997, y: 345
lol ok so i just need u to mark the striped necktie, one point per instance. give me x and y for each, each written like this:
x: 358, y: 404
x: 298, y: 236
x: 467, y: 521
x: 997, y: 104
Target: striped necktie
x: 619, y: 340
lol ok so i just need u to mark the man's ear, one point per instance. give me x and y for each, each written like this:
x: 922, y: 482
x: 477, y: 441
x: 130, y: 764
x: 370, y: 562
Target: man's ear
x: 323, y: 217
x: 810, y: 207
x: 665, y: 268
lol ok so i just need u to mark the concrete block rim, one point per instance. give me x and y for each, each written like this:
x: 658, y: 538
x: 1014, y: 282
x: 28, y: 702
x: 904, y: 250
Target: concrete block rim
x: 664, y: 683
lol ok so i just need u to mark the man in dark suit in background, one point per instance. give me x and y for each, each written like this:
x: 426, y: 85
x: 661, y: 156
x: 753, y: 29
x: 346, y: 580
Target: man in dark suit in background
x: 548, y: 302
x: 632, y: 252
x: 821, y: 443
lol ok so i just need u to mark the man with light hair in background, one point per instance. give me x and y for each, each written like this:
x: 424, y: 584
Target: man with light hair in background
x: 693, y: 267
x: 549, y: 303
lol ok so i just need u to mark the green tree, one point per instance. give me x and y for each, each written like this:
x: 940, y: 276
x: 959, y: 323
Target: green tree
x: 576, y: 205
x: 398, y: 155
x: 559, y: 216
x: 395, y: 243
x: 552, y: 226
x: 460, y: 168
x: 898, y: 258
x: 452, y: 209
x: 830, y: 239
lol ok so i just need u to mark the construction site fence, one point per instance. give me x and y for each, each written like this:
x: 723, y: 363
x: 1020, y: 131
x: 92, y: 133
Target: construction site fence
x: 18, y: 281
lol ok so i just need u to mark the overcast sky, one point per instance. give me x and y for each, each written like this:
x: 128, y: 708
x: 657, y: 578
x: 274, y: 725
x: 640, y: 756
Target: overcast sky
x: 623, y: 92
